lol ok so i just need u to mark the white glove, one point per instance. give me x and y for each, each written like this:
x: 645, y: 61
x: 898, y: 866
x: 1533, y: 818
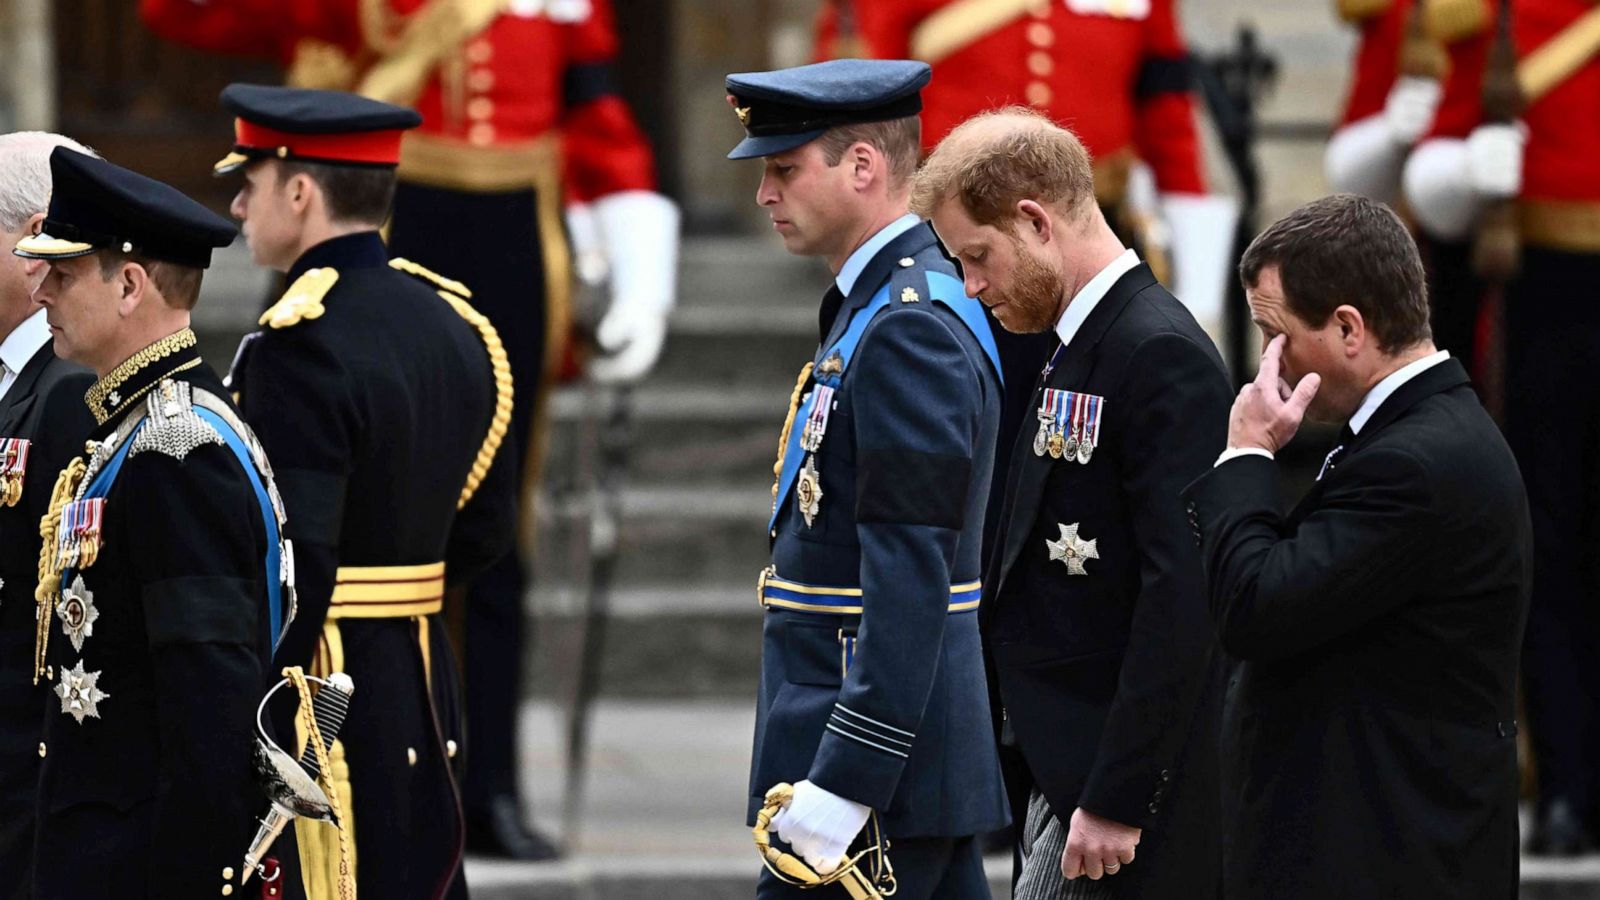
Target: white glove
x: 819, y: 826
x: 1494, y: 159
x: 1202, y: 227
x: 1439, y: 189
x: 588, y: 250
x: 1410, y: 108
x: 639, y: 234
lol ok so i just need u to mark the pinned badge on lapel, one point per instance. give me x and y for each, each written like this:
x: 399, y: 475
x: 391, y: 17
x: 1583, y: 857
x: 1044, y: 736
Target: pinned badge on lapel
x: 833, y: 365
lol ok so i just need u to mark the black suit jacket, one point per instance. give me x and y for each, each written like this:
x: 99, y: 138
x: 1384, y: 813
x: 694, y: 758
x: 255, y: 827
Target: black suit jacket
x: 1369, y: 739
x: 1111, y: 679
x: 45, y: 406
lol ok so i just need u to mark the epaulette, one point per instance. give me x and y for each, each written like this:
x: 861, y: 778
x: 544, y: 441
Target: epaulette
x: 439, y: 281
x: 1357, y: 11
x: 171, y: 424
x: 303, y: 299
x: 908, y: 283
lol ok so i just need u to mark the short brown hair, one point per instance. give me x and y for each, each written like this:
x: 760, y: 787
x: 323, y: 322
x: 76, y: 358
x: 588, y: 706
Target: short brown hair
x: 356, y: 194
x: 1346, y: 249
x: 899, y: 140
x: 179, y: 285
x: 996, y: 159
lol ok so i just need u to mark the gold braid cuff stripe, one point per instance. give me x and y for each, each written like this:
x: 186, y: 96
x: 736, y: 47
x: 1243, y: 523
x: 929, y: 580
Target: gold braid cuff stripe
x: 102, y: 389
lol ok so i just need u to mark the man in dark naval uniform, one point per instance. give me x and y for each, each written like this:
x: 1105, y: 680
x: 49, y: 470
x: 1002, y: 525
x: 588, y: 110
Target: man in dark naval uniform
x: 384, y: 399
x: 42, y: 424
x: 160, y: 596
x: 872, y: 700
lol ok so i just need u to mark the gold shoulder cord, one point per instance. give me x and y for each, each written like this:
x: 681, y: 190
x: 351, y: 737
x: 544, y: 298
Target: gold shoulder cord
x: 454, y: 292
x: 44, y: 593
x: 788, y: 426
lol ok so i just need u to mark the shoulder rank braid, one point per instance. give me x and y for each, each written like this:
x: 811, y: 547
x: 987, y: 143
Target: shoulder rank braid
x: 303, y: 299
x: 456, y: 294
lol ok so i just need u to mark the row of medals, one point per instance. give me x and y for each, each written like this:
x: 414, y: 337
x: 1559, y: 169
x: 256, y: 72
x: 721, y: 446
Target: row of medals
x: 1053, y: 441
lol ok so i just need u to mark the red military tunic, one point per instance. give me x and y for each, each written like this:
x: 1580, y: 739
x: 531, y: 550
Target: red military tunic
x: 538, y: 69
x: 1118, y: 79
x: 1378, y: 57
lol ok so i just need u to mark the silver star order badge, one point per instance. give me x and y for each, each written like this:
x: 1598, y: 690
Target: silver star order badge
x: 79, y: 692
x: 78, y: 613
x: 808, y: 491
x: 1072, y: 550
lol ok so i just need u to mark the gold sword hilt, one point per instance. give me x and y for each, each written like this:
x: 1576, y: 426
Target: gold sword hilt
x: 792, y: 869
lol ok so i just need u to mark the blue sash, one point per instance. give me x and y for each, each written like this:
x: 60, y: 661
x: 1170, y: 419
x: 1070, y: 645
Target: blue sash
x: 101, y: 486
x: 944, y: 289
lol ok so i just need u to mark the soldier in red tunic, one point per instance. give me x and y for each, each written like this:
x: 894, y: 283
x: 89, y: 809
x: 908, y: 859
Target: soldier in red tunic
x: 520, y: 117
x: 1529, y: 183
x: 1409, y: 51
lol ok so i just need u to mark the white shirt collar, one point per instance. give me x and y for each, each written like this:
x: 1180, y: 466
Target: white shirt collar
x: 1089, y: 296
x: 24, y: 341
x: 852, y: 268
x: 1385, y: 388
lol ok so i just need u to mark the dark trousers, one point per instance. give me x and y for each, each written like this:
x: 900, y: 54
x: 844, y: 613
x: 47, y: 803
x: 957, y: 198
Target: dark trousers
x: 1553, y: 424
x: 492, y: 243
x: 1455, y: 298
x: 925, y: 868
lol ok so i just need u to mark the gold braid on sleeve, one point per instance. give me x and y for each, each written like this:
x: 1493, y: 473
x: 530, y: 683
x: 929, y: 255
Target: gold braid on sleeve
x: 44, y: 593
x: 503, y: 392
x: 788, y: 426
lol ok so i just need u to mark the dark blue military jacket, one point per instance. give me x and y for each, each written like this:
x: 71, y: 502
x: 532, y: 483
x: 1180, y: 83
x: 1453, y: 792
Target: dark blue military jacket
x: 879, y: 696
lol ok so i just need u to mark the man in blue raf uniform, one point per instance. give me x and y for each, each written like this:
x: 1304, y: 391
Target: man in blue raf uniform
x: 384, y: 399
x: 159, y: 595
x: 872, y: 693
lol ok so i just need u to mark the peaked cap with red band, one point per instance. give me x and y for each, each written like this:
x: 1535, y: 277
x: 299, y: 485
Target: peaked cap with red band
x: 331, y: 127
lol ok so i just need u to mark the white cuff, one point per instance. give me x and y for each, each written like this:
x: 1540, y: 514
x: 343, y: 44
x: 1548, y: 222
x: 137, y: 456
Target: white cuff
x: 1236, y: 452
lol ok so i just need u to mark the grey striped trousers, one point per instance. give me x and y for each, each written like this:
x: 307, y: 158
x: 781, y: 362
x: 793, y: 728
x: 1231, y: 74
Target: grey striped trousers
x: 1044, y: 839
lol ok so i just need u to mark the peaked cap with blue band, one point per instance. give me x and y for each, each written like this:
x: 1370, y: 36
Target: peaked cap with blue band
x: 96, y: 205
x: 788, y: 108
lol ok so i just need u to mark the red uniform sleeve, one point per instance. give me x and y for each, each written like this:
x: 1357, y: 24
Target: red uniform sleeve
x: 265, y: 28
x: 1461, y: 107
x: 1377, y: 62
x: 603, y: 149
x: 885, y: 26
x: 1164, y: 127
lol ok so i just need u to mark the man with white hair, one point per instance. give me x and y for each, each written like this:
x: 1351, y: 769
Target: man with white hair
x: 43, y: 420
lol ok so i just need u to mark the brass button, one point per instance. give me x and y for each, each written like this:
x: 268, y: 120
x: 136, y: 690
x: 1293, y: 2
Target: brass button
x: 480, y: 51
x: 227, y: 873
x: 50, y: 672
x: 43, y: 750
x: 480, y: 108
x: 227, y: 890
x: 1040, y: 63
x: 480, y: 80
x: 450, y: 749
x: 481, y: 134
x: 1038, y: 93
x: 411, y: 755
x: 1040, y: 35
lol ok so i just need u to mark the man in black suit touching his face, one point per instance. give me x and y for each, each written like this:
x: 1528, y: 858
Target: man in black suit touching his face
x: 1368, y: 745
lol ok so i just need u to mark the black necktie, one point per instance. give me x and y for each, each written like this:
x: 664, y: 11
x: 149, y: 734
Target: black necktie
x: 1345, y: 439
x: 831, y: 302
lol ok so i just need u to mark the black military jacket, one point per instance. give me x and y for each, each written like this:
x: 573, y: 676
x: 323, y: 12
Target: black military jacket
x: 45, y: 407
x: 146, y: 786
x: 374, y: 402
